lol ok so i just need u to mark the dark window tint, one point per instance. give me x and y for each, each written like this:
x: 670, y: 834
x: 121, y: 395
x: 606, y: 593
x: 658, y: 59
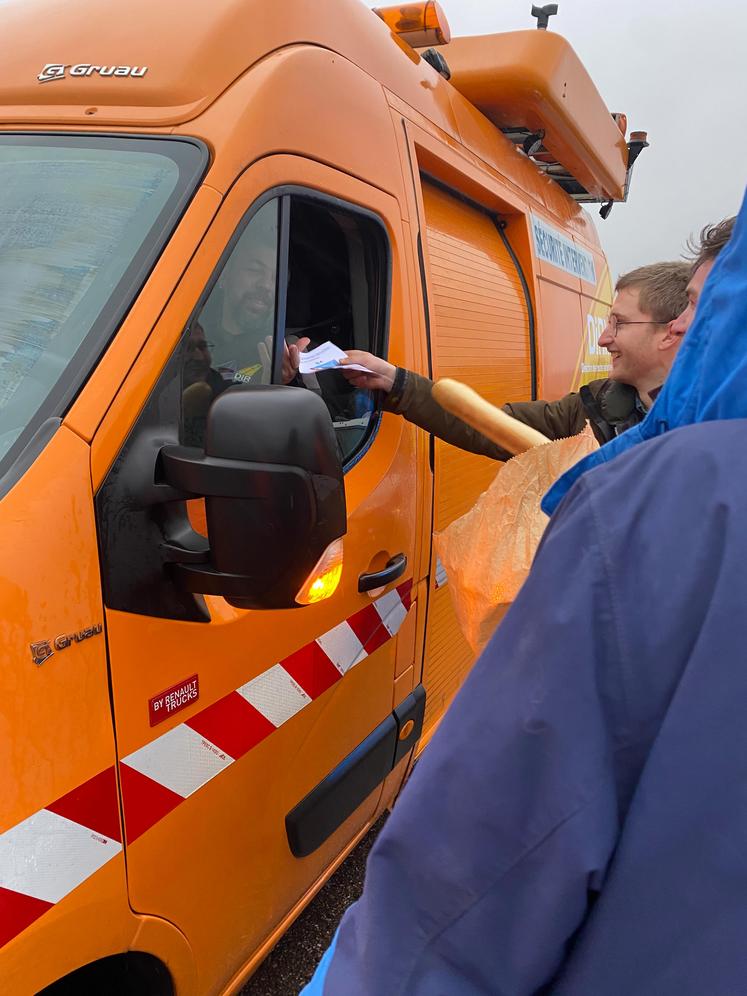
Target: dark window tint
x: 337, y: 284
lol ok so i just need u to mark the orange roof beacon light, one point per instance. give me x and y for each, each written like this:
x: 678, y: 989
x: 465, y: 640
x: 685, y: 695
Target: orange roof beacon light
x: 418, y: 24
x: 324, y: 578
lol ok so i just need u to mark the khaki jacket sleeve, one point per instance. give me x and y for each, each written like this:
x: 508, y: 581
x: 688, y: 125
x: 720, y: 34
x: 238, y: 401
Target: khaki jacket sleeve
x: 411, y: 397
x: 554, y: 419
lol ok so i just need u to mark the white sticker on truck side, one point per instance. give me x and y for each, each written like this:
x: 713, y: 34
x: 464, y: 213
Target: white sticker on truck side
x: 554, y: 247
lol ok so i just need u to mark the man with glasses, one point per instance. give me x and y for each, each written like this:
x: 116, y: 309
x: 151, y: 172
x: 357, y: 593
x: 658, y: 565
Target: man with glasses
x: 642, y: 347
x: 638, y: 337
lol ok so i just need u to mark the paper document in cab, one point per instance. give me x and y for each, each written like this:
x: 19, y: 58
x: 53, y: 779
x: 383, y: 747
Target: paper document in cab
x: 326, y: 357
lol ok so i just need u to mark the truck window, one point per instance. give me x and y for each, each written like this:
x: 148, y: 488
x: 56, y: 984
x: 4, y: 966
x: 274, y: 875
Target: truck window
x: 334, y: 288
x: 337, y: 291
x: 81, y: 222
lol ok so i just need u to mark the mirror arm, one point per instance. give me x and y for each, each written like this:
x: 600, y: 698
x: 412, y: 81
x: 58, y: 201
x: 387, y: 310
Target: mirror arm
x: 205, y: 580
x: 182, y: 545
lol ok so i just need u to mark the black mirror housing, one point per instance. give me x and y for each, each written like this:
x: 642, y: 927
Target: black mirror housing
x: 274, y: 494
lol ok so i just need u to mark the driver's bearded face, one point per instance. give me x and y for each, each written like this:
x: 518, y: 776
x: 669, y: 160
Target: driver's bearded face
x: 250, y: 289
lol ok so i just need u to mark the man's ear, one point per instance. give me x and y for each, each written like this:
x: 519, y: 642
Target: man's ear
x: 670, y: 339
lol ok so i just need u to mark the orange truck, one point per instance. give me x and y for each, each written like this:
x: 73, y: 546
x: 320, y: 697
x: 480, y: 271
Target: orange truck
x: 225, y: 635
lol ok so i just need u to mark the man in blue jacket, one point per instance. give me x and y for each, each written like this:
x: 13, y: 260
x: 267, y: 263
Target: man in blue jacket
x: 578, y: 825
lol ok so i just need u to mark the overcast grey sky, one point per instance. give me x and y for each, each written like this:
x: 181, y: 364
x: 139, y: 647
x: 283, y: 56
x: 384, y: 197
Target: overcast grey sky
x: 678, y: 69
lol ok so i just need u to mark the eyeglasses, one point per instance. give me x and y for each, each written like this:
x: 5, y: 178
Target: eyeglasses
x: 199, y: 344
x: 614, y: 324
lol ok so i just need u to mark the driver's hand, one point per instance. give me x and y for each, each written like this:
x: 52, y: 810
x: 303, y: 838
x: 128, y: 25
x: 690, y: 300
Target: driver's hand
x: 291, y: 359
x: 382, y: 377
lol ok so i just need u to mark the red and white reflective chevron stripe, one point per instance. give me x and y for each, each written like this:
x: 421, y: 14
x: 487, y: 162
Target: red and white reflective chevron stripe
x: 49, y: 854
x: 162, y: 774
x: 52, y: 852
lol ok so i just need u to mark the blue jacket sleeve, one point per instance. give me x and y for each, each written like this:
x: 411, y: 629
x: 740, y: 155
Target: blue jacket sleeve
x: 489, y: 862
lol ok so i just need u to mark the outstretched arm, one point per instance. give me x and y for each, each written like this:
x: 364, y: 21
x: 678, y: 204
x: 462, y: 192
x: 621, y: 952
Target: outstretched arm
x: 410, y: 395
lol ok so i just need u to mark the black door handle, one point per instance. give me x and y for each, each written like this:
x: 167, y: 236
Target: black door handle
x: 377, y: 579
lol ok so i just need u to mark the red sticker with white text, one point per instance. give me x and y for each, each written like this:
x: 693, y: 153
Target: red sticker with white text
x: 174, y: 699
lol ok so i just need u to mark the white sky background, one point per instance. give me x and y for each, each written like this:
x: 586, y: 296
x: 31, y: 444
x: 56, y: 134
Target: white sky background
x: 678, y: 69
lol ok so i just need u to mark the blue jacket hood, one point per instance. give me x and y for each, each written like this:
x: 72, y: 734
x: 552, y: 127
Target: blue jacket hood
x: 708, y: 381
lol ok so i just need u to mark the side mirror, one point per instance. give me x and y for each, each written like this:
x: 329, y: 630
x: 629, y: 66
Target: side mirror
x: 274, y: 495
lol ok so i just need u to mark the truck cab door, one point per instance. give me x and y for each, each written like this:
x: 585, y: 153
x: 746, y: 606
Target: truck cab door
x: 252, y: 742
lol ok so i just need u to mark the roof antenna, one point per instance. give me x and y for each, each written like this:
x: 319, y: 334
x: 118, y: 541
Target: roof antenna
x: 543, y: 14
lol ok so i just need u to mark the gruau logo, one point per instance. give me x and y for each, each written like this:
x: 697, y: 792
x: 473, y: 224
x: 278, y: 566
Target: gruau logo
x: 57, y: 71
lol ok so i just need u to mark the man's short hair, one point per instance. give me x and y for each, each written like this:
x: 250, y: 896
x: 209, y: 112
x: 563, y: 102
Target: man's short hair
x: 712, y: 240
x: 661, y: 289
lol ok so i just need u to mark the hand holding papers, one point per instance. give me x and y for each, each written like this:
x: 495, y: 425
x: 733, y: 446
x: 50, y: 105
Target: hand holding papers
x: 326, y: 357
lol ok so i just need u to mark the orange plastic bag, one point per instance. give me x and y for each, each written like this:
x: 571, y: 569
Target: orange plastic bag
x: 488, y: 552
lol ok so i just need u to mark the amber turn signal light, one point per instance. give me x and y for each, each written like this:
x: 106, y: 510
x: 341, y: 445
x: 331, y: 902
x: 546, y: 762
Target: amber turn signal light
x: 324, y: 579
x: 418, y: 24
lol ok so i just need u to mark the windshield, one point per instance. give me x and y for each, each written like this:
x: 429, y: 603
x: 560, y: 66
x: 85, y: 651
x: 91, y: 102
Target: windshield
x: 82, y: 220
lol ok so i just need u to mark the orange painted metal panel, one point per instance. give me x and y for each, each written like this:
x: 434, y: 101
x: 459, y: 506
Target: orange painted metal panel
x: 448, y: 657
x: 223, y: 39
x: 479, y: 328
x: 285, y: 105
x: 58, y: 733
x: 59, y: 814
x: 479, y: 335
x: 93, y: 922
